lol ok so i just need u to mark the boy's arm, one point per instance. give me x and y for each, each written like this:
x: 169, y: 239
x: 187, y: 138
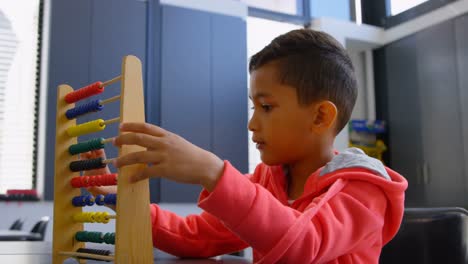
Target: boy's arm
x: 192, y: 236
x: 334, y: 224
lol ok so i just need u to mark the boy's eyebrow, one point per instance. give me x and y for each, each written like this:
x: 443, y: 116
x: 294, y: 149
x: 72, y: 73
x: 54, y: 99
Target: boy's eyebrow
x: 259, y: 95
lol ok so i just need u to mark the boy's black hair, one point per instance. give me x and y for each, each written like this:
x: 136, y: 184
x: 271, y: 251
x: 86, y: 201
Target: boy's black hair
x: 316, y: 65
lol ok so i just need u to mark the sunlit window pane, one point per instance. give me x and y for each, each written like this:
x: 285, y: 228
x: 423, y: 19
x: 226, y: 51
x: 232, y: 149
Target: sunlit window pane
x: 283, y: 6
x: 398, y: 6
x: 18, y: 53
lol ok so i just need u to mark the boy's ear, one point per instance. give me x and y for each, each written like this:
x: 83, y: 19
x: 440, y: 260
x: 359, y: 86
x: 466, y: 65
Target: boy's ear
x: 325, y: 115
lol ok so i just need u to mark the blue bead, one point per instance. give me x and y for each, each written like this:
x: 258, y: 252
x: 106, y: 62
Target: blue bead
x: 89, y: 200
x: 111, y: 199
x: 99, y: 199
x: 107, y: 199
x: 78, y: 201
x: 92, y: 106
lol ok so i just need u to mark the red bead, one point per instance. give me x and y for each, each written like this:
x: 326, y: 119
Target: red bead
x: 84, y: 92
x: 98, y: 180
x: 85, y: 181
x: 76, y: 182
x: 92, y: 181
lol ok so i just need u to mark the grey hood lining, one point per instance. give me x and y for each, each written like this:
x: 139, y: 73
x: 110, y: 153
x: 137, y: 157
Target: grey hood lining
x: 355, y: 158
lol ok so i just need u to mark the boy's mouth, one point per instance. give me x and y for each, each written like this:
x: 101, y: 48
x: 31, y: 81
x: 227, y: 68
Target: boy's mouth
x: 259, y: 144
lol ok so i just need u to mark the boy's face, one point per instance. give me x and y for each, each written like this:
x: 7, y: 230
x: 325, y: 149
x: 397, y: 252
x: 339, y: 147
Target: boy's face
x: 281, y: 127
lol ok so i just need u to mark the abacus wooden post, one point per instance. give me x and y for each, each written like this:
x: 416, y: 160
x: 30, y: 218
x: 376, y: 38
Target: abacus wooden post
x: 133, y: 242
x: 65, y: 228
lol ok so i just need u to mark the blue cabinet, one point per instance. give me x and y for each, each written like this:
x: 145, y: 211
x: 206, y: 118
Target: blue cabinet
x: 195, y: 74
x: 203, y: 87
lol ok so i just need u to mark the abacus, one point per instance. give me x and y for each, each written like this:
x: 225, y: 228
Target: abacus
x: 132, y: 237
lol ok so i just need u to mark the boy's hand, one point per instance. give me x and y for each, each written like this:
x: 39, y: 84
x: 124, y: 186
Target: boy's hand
x: 169, y: 156
x: 95, y: 190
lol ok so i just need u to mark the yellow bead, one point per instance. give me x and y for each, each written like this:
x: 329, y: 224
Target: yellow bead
x: 92, y: 217
x: 105, y: 217
x: 86, y: 128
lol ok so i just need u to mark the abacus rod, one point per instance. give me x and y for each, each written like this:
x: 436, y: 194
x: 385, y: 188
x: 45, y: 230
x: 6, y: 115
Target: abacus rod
x: 107, y: 140
x: 107, y: 161
x: 109, y: 100
x: 110, y: 121
x: 111, y: 217
x: 116, y: 79
x: 87, y: 255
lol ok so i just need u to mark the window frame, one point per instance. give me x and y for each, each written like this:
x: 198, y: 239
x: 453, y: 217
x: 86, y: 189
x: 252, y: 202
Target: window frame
x: 377, y: 13
x: 298, y: 19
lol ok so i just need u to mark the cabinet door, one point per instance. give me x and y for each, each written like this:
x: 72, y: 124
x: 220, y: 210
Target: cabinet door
x: 114, y: 21
x: 443, y: 165
x: 404, y: 127
x: 203, y: 87
x: 70, y: 47
x: 461, y: 34
x: 185, y: 86
x: 229, y: 90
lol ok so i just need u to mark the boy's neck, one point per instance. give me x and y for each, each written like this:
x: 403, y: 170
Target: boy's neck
x: 299, y: 172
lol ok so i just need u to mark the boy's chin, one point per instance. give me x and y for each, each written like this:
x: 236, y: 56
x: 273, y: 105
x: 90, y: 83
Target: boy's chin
x: 270, y: 161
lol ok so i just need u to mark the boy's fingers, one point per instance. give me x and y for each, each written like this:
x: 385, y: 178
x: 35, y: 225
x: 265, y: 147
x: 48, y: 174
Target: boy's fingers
x: 93, y: 154
x: 143, y: 128
x: 85, y: 155
x: 139, y: 139
x: 100, y: 153
x: 144, y: 157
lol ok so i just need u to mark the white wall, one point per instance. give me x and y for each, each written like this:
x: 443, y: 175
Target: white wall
x: 360, y: 109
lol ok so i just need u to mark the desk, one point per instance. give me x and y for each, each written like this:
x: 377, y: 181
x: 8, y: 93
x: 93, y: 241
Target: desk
x: 29, y: 252
x: 17, y: 235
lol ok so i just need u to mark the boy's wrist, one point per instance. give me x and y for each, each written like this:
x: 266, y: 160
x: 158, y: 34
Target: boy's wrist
x: 213, y: 171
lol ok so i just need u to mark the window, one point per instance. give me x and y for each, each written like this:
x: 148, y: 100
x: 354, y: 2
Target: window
x: 19, y: 22
x: 260, y: 32
x: 398, y: 6
x: 291, y: 7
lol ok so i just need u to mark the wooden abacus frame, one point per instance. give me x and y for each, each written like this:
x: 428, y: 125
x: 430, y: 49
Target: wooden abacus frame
x: 133, y: 242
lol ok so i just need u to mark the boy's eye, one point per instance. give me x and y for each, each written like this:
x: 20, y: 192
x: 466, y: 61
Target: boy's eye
x: 266, y: 107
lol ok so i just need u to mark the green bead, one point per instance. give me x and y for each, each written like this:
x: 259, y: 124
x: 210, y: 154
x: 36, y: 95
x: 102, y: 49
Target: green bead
x: 86, y: 146
x: 80, y: 236
x: 107, y: 238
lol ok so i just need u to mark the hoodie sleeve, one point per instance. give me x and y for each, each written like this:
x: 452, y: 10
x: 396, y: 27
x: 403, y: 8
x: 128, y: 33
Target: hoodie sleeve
x: 335, y: 223
x: 192, y: 236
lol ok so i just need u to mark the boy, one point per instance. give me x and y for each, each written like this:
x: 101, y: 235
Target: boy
x: 305, y: 203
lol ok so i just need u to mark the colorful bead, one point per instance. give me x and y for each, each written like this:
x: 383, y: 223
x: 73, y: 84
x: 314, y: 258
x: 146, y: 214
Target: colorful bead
x: 93, y: 106
x: 95, y: 180
x: 90, y: 164
x: 85, y: 92
x: 92, y: 217
x: 86, y: 146
x: 86, y: 128
x: 78, y: 201
x: 89, y: 200
x: 100, y: 199
x: 102, y: 252
x: 111, y: 199
x: 96, y: 237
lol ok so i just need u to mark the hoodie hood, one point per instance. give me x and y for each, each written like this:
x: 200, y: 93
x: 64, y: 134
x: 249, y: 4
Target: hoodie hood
x: 354, y: 165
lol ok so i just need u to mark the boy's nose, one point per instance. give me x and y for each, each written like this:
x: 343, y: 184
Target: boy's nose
x: 252, y: 125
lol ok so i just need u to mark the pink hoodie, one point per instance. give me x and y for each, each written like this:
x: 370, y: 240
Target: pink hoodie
x: 349, y: 209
